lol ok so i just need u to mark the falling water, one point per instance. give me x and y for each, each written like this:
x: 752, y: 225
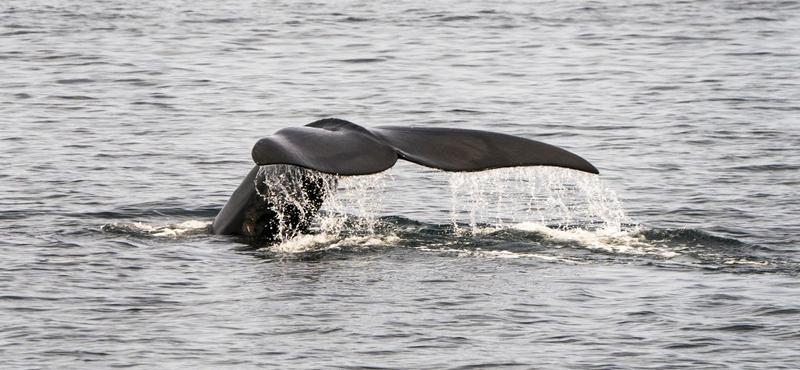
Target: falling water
x: 351, y: 205
x: 549, y: 196
x: 563, y: 205
x: 558, y: 202
x: 354, y: 205
x: 350, y: 202
x: 293, y: 193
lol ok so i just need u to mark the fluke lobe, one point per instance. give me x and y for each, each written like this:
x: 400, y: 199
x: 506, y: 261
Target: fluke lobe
x: 282, y: 200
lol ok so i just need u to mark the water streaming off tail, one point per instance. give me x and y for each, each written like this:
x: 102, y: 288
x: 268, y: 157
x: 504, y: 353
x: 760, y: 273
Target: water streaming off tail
x: 313, y: 209
x: 349, y: 202
x: 294, y: 194
x: 354, y: 204
x: 552, y: 197
x: 549, y: 207
x: 336, y: 205
x: 540, y: 199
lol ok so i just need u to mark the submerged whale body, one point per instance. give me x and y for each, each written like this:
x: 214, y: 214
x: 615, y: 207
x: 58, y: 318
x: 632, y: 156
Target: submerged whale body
x: 281, y: 200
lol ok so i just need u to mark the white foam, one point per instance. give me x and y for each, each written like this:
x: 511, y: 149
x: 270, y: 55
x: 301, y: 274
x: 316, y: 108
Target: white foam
x: 567, y: 207
x: 498, y: 254
x: 610, y: 240
x: 315, y: 242
x: 746, y: 262
x: 183, y: 229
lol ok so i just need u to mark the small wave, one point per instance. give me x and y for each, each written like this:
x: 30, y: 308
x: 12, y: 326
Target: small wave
x: 315, y: 242
x: 72, y: 81
x: 480, y: 253
x: 19, y: 33
x: 315, y: 247
x: 183, y: 229
x: 609, y: 240
x: 73, y: 97
x: 759, y: 19
x: 457, y: 18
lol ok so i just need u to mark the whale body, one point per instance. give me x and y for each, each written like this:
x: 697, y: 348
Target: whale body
x: 283, y: 191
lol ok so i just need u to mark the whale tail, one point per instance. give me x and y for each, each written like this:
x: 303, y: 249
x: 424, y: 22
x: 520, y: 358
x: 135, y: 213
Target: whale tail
x: 465, y: 150
x: 336, y: 146
x: 340, y: 147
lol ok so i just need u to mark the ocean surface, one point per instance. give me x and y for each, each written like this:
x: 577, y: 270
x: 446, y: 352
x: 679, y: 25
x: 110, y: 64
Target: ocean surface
x: 125, y: 126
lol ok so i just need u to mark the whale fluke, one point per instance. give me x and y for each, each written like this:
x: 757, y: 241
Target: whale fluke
x: 339, y: 147
x: 465, y: 150
x: 331, y: 145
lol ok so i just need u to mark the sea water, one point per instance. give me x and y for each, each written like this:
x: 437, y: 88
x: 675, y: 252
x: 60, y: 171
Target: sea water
x: 125, y: 127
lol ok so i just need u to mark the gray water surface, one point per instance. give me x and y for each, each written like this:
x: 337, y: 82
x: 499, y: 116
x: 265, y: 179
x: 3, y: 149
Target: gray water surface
x: 124, y: 127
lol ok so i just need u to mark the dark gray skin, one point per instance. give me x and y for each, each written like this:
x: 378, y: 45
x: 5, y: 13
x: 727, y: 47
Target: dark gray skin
x: 339, y: 147
x: 251, y: 213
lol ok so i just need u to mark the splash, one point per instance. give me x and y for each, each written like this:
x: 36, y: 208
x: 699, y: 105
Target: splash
x: 293, y: 194
x: 536, y: 212
x: 350, y: 205
x: 345, y: 203
x: 567, y: 206
x: 354, y: 205
x: 550, y: 197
